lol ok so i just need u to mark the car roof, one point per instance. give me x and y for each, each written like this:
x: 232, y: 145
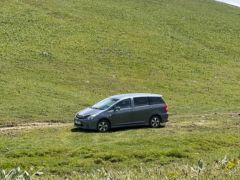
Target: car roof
x: 132, y: 95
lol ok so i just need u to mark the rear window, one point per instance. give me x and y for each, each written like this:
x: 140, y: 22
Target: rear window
x: 156, y: 100
x: 140, y: 101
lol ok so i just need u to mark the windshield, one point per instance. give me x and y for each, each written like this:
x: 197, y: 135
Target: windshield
x: 104, y: 104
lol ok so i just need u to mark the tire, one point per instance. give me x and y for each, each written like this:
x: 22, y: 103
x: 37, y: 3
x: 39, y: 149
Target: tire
x: 155, y: 122
x: 103, y: 126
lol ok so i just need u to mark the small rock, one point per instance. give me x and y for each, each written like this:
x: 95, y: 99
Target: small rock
x: 39, y: 173
x: 45, y: 53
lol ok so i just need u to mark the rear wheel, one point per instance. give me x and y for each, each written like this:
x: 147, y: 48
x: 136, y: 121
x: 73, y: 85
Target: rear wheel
x: 103, y: 126
x: 155, y: 122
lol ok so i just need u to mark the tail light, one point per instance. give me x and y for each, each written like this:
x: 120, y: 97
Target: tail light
x: 166, y: 107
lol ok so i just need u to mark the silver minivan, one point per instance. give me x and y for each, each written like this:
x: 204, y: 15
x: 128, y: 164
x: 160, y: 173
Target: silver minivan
x: 124, y: 110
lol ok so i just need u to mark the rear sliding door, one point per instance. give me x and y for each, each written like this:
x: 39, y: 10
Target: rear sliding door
x: 141, y: 110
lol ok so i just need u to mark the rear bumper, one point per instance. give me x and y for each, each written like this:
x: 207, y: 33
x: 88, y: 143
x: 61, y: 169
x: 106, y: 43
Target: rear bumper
x: 164, y: 117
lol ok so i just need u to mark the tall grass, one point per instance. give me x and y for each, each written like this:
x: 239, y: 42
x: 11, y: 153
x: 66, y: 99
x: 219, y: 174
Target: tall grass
x: 222, y: 169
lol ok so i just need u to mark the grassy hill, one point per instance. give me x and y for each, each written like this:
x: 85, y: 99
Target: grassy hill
x: 59, y: 56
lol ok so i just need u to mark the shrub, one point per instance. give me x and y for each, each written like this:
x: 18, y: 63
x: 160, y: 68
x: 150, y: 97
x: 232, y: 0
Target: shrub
x: 15, y: 173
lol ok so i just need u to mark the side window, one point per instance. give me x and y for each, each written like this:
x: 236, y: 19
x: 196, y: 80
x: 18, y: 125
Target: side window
x: 156, y: 100
x: 124, y: 104
x: 140, y: 101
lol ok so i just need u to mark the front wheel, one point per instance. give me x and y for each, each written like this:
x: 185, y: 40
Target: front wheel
x: 103, y: 126
x: 155, y: 122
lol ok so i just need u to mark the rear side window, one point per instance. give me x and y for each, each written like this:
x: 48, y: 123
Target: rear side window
x: 156, y: 100
x: 140, y: 101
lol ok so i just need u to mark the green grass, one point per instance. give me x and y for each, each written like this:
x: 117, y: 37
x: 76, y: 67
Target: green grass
x: 65, y: 151
x: 59, y: 56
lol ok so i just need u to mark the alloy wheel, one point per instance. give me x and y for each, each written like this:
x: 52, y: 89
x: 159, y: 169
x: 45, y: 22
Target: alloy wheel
x: 155, y: 122
x: 103, y: 126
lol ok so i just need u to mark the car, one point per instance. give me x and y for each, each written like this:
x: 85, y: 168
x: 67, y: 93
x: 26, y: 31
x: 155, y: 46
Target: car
x: 124, y: 110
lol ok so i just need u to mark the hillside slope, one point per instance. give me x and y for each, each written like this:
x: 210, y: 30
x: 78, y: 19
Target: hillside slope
x: 59, y: 56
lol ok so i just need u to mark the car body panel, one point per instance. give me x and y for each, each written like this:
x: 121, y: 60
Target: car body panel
x: 121, y: 117
x: 133, y: 116
x: 89, y: 111
x: 141, y: 114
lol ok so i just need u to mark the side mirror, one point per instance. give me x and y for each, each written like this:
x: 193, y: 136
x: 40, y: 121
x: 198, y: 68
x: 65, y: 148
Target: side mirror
x: 117, y: 108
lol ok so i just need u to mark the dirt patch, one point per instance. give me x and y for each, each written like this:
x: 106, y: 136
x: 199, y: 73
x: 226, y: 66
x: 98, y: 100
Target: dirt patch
x: 33, y: 125
x: 204, y: 115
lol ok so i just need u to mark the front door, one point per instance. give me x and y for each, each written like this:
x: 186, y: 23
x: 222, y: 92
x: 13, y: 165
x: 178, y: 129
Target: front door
x: 122, y: 114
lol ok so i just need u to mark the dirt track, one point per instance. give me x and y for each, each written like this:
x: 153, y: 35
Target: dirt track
x: 49, y: 125
x: 34, y: 125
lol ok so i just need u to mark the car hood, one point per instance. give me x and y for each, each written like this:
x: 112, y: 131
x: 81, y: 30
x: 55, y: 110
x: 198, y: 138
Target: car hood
x: 89, y: 111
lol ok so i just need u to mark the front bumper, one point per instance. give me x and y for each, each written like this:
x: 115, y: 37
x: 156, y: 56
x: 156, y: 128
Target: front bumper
x: 84, y: 123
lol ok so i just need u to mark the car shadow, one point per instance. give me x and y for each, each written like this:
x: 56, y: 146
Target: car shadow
x: 128, y: 128
x: 83, y: 130
x: 112, y: 130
